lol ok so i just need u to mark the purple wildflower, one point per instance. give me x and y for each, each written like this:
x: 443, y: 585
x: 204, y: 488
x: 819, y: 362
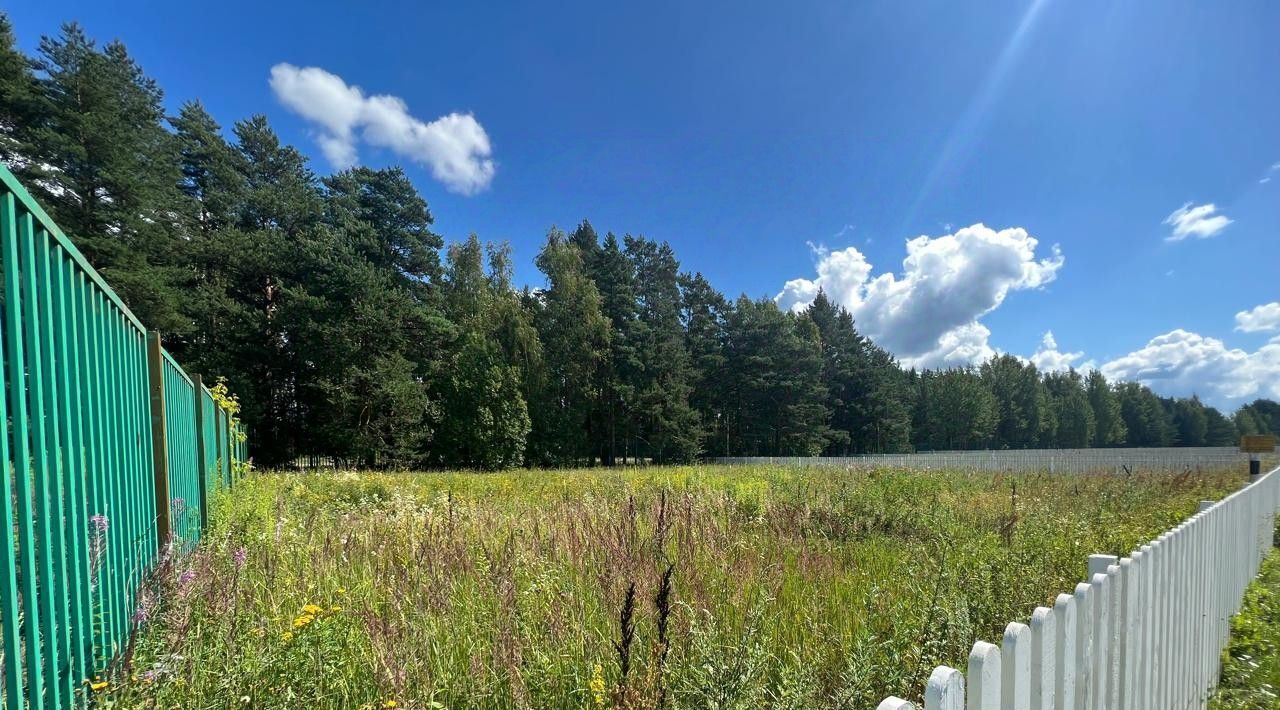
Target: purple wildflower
x: 187, y: 577
x: 100, y: 522
x: 142, y: 613
x: 148, y: 675
x: 239, y: 557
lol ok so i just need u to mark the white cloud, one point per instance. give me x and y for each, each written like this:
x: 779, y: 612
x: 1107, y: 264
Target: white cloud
x: 1266, y: 178
x: 1259, y: 319
x: 1180, y: 363
x: 455, y: 147
x: 1048, y: 358
x: 1198, y: 222
x: 928, y: 315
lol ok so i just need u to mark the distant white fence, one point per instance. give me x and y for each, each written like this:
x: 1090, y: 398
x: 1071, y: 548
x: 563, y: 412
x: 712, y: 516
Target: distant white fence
x: 1142, y: 633
x: 1051, y: 460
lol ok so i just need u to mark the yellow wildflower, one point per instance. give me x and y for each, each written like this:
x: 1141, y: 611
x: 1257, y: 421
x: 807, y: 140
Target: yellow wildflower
x: 311, y: 609
x: 303, y: 620
x: 287, y: 636
x: 335, y: 608
x: 98, y: 685
x: 342, y: 590
x: 597, y: 685
x: 390, y: 704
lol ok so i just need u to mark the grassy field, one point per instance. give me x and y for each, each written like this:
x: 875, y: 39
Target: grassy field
x: 699, y: 587
x: 1251, y: 662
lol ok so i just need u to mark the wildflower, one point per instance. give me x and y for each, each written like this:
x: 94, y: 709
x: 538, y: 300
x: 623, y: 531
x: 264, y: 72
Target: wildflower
x: 100, y: 522
x: 342, y: 590
x: 311, y: 609
x: 303, y: 620
x: 335, y: 609
x: 187, y: 577
x: 287, y: 636
x: 143, y: 612
x: 148, y: 676
x: 597, y: 685
x: 97, y: 685
x: 239, y: 557
x: 390, y: 704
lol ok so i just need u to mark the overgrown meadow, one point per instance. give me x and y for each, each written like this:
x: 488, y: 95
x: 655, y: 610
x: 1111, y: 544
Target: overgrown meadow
x: 699, y: 587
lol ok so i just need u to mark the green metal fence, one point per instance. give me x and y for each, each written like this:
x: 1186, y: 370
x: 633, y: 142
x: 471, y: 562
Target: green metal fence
x: 110, y: 448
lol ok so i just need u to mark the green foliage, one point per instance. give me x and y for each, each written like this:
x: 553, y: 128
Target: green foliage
x: 1146, y: 419
x: 775, y: 400
x: 1109, y: 428
x: 1191, y: 422
x: 575, y: 340
x: 789, y: 587
x: 867, y: 392
x: 102, y: 164
x: 1024, y: 415
x: 1250, y: 677
x: 1072, y: 412
x: 955, y: 410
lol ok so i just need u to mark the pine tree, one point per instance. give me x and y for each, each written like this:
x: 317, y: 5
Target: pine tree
x: 575, y: 340
x: 213, y: 172
x: 615, y: 278
x: 106, y: 170
x: 1109, y: 429
x: 955, y: 410
x: 1190, y: 422
x: 1219, y: 430
x: 1024, y: 417
x: 22, y: 107
x: 868, y: 397
x: 775, y: 402
x: 1073, y: 413
x: 1146, y: 420
x: 669, y: 427
x: 704, y: 314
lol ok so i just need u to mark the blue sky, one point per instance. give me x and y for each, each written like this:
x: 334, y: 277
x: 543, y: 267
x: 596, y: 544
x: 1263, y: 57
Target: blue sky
x: 766, y: 140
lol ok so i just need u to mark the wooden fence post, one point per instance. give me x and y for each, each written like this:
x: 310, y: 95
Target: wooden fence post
x: 202, y: 461
x: 159, y: 439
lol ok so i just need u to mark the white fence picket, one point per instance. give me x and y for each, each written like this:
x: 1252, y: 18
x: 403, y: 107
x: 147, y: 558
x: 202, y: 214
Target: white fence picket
x: 1084, y: 646
x: 985, y: 685
x: 1064, y: 676
x: 1015, y: 667
x: 1100, y: 590
x: 945, y: 690
x: 1044, y: 639
x: 1057, y: 461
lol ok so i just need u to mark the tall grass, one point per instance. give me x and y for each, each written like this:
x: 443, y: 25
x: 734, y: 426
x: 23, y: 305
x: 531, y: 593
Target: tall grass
x: 699, y: 587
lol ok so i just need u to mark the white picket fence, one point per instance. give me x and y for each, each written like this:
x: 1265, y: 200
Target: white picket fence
x: 1142, y: 633
x: 1119, y: 460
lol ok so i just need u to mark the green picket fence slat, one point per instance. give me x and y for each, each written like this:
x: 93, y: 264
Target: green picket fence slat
x: 107, y: 442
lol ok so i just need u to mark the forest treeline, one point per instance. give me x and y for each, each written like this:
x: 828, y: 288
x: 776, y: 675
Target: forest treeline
x: 348, y: 328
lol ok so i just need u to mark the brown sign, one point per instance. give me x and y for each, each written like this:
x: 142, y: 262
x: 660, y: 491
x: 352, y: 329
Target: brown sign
x: 1258, y: 443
